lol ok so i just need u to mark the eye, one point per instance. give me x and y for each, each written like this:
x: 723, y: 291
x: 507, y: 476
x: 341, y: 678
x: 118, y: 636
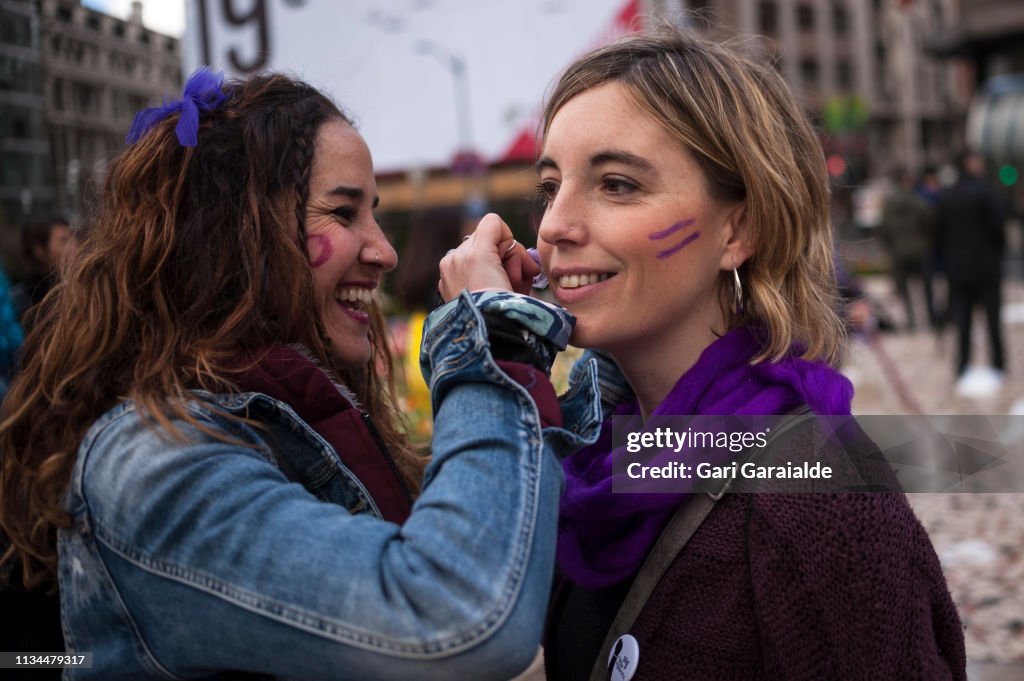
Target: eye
x: 345, y: 213
x: 618, y: 186
x: 546, y: 190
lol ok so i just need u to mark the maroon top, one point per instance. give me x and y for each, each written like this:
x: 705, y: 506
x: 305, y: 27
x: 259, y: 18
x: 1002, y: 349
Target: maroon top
x: 288, y: 375
x: 810, y: 586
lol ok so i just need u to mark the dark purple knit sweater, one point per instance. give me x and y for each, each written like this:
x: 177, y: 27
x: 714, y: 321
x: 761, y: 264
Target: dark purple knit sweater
x: 807, y: 586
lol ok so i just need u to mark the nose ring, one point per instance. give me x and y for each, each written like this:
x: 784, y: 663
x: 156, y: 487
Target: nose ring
x: 572, y: 227
x: 376, y: 257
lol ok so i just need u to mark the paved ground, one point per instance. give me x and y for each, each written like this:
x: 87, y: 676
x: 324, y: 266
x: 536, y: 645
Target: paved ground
x: 979, y: 536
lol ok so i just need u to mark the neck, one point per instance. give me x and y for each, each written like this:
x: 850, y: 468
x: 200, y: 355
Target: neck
x: 653, y: 366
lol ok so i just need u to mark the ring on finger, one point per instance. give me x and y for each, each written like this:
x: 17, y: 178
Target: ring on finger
x: 509, y: 249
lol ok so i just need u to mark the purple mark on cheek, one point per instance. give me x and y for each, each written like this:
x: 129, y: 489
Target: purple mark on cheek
x: 682, y: 224
x: 322, y: 248
x: 678, y: 247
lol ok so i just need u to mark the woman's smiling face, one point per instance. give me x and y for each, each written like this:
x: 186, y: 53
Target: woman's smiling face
x: 347, y: 249
x: 631, y: 240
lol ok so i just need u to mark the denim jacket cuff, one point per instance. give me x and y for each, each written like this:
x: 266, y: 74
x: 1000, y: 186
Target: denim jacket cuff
x: 614, y: 387
x: 546, y: 327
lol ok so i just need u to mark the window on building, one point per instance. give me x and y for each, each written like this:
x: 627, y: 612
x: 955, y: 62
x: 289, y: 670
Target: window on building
x: 19, y: 128
x: 144, y: 37
x: 881, y: 53
x: 64, y: 14
x: 85, y: 98
x: 20, y: 76
x: 15, y: 29
x: 169, y: 44
x: 809, y: 71
x: 57, y: 94
x: 840, y: 19
x: 844, y: 74
x: 805, y: 17
x: 22, y: 169
x: 118, y: 29
x: 92, y: 21
x: 768, y: 17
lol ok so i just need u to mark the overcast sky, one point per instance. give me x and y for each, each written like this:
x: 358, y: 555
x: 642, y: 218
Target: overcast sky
x: 163, y: 16
x: 388, y: 62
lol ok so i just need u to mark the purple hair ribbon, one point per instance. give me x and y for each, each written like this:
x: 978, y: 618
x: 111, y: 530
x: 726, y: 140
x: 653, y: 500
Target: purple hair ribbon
x: 203, y: 92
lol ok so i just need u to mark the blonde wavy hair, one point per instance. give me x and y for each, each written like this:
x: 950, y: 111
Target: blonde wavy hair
x: 739, y: 120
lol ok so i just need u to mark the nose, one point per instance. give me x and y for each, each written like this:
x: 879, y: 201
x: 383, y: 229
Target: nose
x: 561, y: 222
x: 379, y: 252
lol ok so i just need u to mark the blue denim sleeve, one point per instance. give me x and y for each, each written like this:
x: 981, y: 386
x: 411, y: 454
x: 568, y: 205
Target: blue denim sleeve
x: 214, y: 561
x: 598, y: 366
x: 546, y: 327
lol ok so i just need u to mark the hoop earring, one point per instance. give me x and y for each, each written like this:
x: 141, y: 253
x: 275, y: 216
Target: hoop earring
x: 737, y: 292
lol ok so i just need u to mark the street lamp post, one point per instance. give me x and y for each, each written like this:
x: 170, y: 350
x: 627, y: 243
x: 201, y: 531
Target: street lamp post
x: 456, y: 65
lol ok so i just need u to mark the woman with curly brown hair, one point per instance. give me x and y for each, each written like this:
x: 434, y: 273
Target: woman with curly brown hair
x: 202, y: 450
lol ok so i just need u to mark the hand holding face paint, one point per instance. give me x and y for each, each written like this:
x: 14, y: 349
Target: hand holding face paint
x: 488, y: 259
x: 520, y: 267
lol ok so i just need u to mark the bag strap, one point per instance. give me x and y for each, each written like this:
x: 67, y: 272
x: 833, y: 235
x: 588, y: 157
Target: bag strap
x: 680, y: 528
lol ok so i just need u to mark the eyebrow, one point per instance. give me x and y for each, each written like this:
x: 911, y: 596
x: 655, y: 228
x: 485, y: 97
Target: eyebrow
x: 603, y: 157
x: 354, y: 193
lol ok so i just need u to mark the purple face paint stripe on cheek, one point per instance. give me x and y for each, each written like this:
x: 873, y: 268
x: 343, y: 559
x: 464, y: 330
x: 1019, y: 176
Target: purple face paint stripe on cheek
x: 682, y: 224
x: 678, y: 247
x: 323, y: 249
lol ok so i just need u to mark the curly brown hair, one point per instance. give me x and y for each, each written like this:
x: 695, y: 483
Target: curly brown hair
x: 194, y: 256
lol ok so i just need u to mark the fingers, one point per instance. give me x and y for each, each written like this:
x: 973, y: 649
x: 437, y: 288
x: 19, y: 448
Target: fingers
x: 490, y: 232
x: 477, y: 262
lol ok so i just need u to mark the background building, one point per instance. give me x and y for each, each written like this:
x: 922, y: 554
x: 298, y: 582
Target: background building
x: 863, y: 72
x: 989, y: 39
x: 26, y: 183
x: 99, y: 71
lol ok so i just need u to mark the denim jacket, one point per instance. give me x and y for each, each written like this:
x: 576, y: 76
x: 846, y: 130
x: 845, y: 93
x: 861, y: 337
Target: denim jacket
x: 190, y: 559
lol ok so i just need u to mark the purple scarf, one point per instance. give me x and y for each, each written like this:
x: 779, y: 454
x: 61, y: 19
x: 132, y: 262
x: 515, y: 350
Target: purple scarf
x: 603, y: 537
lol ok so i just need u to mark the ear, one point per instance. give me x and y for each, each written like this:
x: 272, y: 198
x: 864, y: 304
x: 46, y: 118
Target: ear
x: 737, y: 246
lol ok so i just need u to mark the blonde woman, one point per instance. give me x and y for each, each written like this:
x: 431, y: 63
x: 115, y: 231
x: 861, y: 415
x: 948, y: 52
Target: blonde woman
x: 686, y: 228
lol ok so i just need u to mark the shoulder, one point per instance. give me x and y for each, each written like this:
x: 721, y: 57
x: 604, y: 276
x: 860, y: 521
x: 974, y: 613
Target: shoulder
x: 205, y: 420
x: 873, y: 531
x: 127, y: 458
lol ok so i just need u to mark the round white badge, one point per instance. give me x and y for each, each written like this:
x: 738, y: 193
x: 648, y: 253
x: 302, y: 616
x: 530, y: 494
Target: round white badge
x: 623, y: 658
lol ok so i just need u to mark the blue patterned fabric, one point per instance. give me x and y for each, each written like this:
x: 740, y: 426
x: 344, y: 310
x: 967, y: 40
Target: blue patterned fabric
x: 548, y: 326
x: 11, y: 334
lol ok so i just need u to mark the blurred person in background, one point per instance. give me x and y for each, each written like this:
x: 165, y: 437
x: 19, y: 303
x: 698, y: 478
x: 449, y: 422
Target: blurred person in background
x: 970, y: 228
x: 11, y: 335
x: 906, y: 232
x: 43, y: 243
x: 928, y: 188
